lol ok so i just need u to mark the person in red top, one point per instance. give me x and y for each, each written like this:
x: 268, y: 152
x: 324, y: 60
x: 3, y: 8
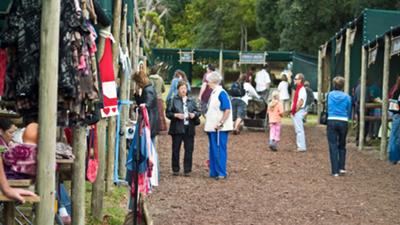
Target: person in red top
x: 275, y: 113
x: 205, y: 91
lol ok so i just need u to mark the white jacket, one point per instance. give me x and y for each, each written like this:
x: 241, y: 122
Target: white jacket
x: 214, y: 114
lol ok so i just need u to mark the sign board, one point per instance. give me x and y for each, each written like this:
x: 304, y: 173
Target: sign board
x: 372, y: 52
x: 323, y: 49
x: 395, y: 46
x: 186, y: 56
x: 338, y: 45
x: 252, y: 58
x: 352, y: 35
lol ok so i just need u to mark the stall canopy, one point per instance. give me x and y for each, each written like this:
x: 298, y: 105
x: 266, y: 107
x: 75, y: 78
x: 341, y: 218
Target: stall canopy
x: 378, y: 42
x: 302, y: 63
x: 370, y: 24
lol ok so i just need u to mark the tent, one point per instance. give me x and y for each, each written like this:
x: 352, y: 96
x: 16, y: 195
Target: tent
x: 365, y: 28
x: 302, y: 63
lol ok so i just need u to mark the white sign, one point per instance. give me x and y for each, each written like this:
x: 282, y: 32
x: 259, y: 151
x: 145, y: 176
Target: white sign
x: 252, y: 58
x: 372, y: 52
x: 185, y: 56
x: 338, y: 45
x: 395, y: 46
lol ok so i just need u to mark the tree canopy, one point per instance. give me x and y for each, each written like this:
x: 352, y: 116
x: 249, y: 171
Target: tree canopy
x: 260, y: 24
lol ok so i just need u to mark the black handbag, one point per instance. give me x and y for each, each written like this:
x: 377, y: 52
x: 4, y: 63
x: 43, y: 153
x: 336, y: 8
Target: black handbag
x: 197, y: 121
x: 323, y: 117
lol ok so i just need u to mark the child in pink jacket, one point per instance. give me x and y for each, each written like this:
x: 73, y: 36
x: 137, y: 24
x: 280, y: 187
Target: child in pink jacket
x: 275, y: 113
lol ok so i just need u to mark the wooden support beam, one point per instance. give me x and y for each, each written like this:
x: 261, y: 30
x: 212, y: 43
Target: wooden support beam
x: 116, y: 30
x: 347, y: 62
x: 123, y: 96
x: 98, y: 185
x: 78, y: 176
x: 320, y: 94
x: 362, y: 97
x: 48, y: 85
x: 385, y: 101
x: 221, y: 63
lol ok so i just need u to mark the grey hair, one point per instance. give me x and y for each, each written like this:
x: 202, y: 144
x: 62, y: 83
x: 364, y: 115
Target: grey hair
x: 214, y: 77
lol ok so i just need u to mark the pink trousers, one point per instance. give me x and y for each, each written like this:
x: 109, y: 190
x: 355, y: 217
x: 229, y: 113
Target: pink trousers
x: 275, y: 131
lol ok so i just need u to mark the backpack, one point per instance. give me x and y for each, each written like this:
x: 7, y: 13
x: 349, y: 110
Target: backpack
x: 237, y: 90
x: 310, y: 96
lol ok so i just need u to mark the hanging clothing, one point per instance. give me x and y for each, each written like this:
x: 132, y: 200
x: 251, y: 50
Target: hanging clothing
x: 3, y: 69
x: 107, y: 77
x: 148, y: 158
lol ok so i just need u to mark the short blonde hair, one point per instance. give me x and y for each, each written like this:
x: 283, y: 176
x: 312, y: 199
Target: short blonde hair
x: 338, y: 83
x: 214, y: 77
x: 275, y: 94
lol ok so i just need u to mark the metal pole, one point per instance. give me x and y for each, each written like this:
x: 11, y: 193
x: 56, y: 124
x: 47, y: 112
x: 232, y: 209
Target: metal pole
x: 385, y: 103
x: 48, y: 83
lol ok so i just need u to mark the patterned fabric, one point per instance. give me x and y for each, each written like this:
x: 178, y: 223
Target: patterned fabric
x: 21, y: 158
x: 77, y: 73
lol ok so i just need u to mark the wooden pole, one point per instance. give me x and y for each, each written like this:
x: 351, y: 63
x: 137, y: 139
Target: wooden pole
x: 320, y: 94
x: 124, y: 97
x: 116, y: 30
x: 109, y: 163
x: 385, y: 103
x: 221, y: 63
x: 48, y: 83
x: 98, y: 185
x: 362, y: 97
x: 347, y: 62
x: 78, y: 176
x: 111, y: 121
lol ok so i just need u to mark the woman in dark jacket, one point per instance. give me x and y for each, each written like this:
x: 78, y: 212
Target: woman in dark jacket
x: 146, y: 94
x: 184, y: 115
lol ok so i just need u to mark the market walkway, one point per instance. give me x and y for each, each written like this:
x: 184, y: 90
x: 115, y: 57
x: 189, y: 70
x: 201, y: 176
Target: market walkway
x: 283, y: 187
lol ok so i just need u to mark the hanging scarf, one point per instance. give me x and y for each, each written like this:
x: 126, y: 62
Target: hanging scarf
x: 296, y: 97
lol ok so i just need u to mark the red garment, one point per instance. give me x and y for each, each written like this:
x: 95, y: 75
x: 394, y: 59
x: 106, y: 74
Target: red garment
x: 3, y: 69
x: 296, y: 97
x: 107, y: 77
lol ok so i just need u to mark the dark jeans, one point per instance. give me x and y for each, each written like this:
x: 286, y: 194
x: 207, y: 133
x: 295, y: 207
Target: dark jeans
x: 337, y: 133
x: 188, y: 141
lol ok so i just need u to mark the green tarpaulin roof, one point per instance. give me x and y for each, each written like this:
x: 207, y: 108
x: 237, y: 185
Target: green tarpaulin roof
x: 373, y: 22
x: 227, y: 54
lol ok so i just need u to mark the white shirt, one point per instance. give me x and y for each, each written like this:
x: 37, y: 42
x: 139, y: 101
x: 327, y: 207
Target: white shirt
x: 250, y: 92
x: 283, y: 90
x: 262, y: 80
x: 302, y: 95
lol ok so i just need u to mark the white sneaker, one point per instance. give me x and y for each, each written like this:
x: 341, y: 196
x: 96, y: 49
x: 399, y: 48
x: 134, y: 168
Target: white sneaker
x: 335, y: 175
x: 342, y: 171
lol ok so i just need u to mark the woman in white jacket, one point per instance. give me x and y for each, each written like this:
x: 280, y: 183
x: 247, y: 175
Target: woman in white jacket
x: 284, y: 95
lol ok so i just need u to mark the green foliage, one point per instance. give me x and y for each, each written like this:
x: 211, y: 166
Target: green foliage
x: 115, y: 206
x: 271, y: 24
x: 259, y: 44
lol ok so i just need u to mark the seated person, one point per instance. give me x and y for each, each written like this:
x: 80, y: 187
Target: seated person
x: 7, y: 129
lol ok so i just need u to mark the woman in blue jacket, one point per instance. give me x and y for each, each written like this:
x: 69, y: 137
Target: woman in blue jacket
x: 339, y: 112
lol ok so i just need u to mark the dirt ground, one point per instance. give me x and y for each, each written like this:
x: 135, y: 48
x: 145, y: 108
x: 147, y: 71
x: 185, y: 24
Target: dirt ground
x: 283, y: 187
